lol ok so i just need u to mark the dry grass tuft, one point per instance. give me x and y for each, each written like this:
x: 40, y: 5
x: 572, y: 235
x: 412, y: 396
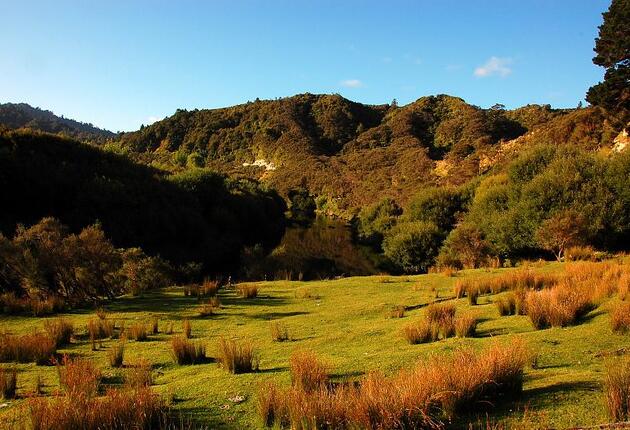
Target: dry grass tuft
x: 308, y: 373
x: 559, y: 306
x: 396, y: 312
x: 617, y: 389
x: 421, y: 332
x: 279, y: 331
x: 187, y: 328
x: 209, y: 288
x: 140, y: 374
x: 60, y: 330
x: 116, y: 354
x: 506, y: 304
x: 187, y: 352
x: 79, y: 377
x: 206, y: 309
x: 247, y: 291
x: 237, y: 357
x: 137, y: 332
x: 29, y: 348
x: 465, y: 325
x: 620, y: 318
x: 8, y: 383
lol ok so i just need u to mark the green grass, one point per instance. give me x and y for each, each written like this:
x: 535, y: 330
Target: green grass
x: 345, y: 322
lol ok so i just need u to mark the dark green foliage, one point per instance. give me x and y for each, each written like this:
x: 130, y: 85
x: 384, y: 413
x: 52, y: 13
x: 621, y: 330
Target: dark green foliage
x: 302, y: 205
x: 613, y: 53
x: 413, y: 246
x: 374, y: 221
x: 437, y: 205
x: 21, y: 115
x: 193, y: 216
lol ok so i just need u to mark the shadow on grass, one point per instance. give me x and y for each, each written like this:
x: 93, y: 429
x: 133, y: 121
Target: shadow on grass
x: 275, y: 315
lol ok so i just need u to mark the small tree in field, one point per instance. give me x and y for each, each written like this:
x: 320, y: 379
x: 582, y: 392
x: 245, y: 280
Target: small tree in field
x: 561, y: 231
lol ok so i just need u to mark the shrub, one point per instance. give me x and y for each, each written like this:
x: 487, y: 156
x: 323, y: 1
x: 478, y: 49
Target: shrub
x: 187, y: 352
x: 187, y: 328
x: 465, y: 325
x: 8, y: 383
x: 237, y: 357
x: 308, y: 373
x: 247, y: 291
x: 506, y: 304
x: 78, y: 377
x: 138, y: 332
x: 279, y: 331
x: 617, y: 389
x: 35, y: 347
x: 620, y: 318
x: 60, y: 330
x: 413, y: 246
x: 116, y: 354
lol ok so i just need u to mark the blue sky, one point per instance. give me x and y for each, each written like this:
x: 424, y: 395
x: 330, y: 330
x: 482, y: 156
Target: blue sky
x: 119, y: 64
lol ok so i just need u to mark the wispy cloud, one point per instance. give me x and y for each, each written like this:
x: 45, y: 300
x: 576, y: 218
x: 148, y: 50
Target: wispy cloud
x: 150, y: 120
x: 495, y: 66
x: 351, y: 83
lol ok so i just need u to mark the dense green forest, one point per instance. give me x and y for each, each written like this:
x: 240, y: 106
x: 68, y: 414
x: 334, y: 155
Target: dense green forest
x: 193, y: 216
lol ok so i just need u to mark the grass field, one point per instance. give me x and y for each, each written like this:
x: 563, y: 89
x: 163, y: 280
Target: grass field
x: 344, y: 321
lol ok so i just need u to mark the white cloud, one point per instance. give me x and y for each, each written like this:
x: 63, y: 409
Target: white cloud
x: 495, y: 66
x: 150, y: 120
x: 352, y: 83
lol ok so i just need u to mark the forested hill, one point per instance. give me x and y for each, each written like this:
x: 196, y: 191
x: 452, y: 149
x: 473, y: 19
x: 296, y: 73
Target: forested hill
x: 22, y: 115
x: 350, y: 154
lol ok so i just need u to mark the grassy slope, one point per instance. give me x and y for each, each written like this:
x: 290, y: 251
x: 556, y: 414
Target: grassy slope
x: 344, y: 322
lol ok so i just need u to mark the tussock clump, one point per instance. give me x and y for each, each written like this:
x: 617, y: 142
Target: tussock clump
x: 137, y: 332
x: 60, y: 330
x: 308, y: 373
x: 187, y: 352
x: 620, y: 318
x: 155, y: 326
x: 247, y: 291
x: 209, y: 288
x: 29, y: 348
x: 279, y: 331
x: 617, y: 389
x: 119, y: 409
x: 100, y: 328
x: 187, y: 328
x: 440, y: 312
x: 116, y: 354
x: 206, y: 310
x: 421, y: 397
x: 237, y: 357
x: 8, y: 383
x: 421, y: 332
x: 506, y: 304
x: 559, y: 306
x: 465, y: 325
x: 396, y: 312
x: 78, y: 377
x: 11, y: 304
x: 140, y: 374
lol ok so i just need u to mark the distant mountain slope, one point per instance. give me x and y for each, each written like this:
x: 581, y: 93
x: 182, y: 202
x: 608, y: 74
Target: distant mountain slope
x: 351, y: 154
x: 22, y: 115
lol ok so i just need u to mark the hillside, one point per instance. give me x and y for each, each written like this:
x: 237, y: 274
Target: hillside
x: 22, y: 115
x: 353, y: 154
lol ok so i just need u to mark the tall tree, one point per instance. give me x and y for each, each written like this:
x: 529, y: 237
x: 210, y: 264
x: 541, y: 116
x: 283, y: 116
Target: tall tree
x: 613, y: 53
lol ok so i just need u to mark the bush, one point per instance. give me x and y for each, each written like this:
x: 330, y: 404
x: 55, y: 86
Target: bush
x: 308, y: 373
x: 116, y: 354
x: 620, y: 318
x: 247, y: 291
x: 617, y: 389
x: 35, y: 347
x: 279, y: 331
x: 60, y: 330
x: 187, y: 352
x: 8, y: 383
x: 413, y: 246
x: 237, y: 357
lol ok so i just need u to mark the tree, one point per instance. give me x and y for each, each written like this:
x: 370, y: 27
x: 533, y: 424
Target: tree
x: 612, y: 49
x: 412, y: 246
x: 562, y: 230
x: 464, y: 247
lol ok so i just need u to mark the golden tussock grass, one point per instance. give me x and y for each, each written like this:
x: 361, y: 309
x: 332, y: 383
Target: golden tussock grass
x: 308, y: 372
x: 138, y: 332
x: 60, y: 330
x: 617, y: 389
x: 116, y: 354
x: 237, y: 357
x: 279, y: 331
x: 36, y: 347
x: 187, y: 328
x: 620, y: 318
x: 185, y: 351
x: 8, y: 383
x: 247, y: 291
